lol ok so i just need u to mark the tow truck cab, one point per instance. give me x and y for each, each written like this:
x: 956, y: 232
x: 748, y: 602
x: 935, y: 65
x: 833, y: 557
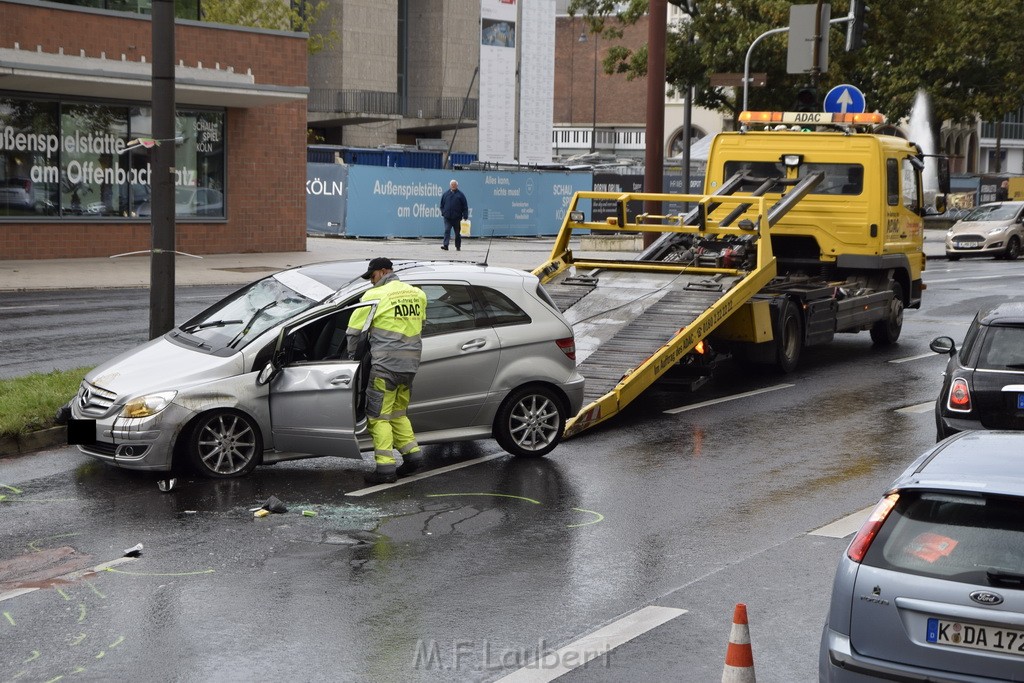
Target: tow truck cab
x: 866, y: 217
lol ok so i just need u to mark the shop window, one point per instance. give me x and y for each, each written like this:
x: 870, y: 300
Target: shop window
x: 72, y: 160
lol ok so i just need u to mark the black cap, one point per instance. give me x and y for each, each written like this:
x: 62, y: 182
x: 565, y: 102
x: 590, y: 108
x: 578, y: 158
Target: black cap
x: 377, y: 264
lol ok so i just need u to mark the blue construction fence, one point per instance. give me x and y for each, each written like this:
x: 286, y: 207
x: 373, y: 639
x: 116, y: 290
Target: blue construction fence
x: 378, y: 201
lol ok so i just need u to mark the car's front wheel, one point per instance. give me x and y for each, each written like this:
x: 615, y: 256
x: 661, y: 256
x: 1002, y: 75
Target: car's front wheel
x: 530, y: 422
x: 224, y: 443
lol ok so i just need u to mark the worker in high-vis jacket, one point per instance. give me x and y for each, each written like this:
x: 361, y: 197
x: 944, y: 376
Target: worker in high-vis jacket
x: 395, y: 347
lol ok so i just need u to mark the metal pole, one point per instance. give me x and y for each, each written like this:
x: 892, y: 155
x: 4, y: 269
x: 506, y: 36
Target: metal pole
x: 746, y: 62
x: 161, y: 278
x: 458, y: 124
x: 593, y: 129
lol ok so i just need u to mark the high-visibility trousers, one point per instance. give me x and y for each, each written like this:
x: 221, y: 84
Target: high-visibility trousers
x: 387, y: 400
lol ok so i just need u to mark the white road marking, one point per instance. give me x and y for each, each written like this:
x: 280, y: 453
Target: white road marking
x: 746, y: 394
x: 962, y: 279
x: 919, y: 408
x: 842, y: 528
x: 423, y: 475
x: 551, y: 665
x: 917, y: 357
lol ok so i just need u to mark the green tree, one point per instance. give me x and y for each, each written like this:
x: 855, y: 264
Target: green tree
x: 281, y: 15
x: 964, y: 56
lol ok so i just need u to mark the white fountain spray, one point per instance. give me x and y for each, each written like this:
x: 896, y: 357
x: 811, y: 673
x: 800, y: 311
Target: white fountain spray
x: 921, y: 133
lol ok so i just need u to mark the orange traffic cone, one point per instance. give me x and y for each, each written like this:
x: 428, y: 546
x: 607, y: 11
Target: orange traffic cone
x: 739, y: 658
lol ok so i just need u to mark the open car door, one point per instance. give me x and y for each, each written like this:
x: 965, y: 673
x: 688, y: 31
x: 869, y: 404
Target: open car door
x: 315, y: 391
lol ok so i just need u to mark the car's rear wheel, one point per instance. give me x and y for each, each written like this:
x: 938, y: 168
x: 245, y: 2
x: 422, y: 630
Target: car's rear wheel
x: 224, y: 444
x: 1012, y: 249
x: 887, y: 330
x: 530, y: 422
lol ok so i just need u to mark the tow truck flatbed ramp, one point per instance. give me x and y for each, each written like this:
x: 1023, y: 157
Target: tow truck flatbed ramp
x: 635, y: 318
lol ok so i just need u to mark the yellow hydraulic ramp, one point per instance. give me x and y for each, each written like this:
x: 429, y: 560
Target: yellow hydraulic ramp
x: 636, y: 317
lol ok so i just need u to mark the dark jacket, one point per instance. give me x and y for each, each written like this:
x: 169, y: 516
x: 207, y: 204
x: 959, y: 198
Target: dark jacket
x: 454, y: 206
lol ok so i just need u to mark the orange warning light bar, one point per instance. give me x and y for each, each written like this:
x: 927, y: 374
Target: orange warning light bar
x: 812, y: 118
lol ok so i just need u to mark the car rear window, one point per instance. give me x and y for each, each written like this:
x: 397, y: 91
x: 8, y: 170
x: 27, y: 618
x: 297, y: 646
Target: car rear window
x: 952, y: 536
x: 1002, y: 348
x: 500, y: 310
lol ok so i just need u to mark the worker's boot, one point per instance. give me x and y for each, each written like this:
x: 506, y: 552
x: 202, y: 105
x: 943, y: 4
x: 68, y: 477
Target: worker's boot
x: 384, y: 474
x: 410, y: 463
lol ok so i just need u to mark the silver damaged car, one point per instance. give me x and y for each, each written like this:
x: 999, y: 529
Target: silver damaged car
x: 264, y: 375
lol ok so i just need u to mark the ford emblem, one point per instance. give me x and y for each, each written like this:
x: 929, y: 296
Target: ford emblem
x: 986, y: 597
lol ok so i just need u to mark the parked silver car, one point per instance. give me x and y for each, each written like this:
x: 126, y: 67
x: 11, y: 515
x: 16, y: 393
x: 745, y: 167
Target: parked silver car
x: 930, y: 589
x: 995, y: 229
x: 263, y: 375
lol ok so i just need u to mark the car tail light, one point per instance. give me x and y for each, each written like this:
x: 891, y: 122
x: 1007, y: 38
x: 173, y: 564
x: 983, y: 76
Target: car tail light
x: 568, y: 346
x: 959, y: 396
x: 862, y: 541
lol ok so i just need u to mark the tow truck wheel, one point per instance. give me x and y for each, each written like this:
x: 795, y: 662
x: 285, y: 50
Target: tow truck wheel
x: 789, y: 338
x: 224, y: 443
x: 887, y: 331
x: 530, y: 422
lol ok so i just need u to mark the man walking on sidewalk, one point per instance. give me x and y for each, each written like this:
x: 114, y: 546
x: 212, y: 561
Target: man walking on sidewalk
x: 395, y: 349
x: 454, y: 208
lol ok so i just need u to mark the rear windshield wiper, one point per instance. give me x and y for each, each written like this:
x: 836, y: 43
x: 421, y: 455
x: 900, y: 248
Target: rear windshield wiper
x: 1004, y: 578
x: 210, y: 323
x: 248, y: 326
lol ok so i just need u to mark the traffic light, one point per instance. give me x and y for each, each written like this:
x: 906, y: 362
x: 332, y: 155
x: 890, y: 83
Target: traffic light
x: 807, y: 99
x: 857, y: 25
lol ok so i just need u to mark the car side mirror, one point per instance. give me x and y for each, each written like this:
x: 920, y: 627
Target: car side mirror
x: 266, y: 374
x: 943, y: 345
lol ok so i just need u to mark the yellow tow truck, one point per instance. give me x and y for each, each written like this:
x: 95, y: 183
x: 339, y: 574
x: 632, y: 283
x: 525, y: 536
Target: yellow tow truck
x: 810, y: 226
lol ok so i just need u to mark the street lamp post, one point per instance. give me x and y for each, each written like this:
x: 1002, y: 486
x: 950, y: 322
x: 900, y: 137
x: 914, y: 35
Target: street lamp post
x: 593, y: 128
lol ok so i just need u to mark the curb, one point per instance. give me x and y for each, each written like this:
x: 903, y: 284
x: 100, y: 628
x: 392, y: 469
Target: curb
x: 33, y: 441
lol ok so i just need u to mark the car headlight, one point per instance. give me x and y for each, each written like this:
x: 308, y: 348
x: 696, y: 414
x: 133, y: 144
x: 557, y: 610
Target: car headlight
x: 151, y: 404
x: 996, y: 231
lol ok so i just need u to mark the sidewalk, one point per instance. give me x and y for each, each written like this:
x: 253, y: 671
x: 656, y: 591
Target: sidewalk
x: 240, y: 269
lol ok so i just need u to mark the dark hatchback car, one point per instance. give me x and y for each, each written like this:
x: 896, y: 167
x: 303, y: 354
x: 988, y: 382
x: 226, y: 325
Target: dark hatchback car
x: 932, y: 587
x: 983, y: 384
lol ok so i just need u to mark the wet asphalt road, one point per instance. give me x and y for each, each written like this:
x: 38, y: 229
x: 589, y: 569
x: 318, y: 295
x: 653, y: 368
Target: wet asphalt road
x: 466, y: 574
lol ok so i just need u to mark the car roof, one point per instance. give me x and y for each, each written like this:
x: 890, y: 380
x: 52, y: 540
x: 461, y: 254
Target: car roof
x: 973, y: 461
x: 1008, y: 312
x: 339, y: 274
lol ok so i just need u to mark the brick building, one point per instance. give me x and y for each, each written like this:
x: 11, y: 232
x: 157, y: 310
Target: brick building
x: 75, y: 89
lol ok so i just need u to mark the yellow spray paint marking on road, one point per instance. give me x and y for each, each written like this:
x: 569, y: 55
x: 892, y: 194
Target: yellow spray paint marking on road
x: 120, y: 639
x: 35, y: 655
x: 9, y: 618
x: 94, y: 589
x: 102, y: 654
x: 497, y: 495
x: 589, y: 512
x: 118, y: 571
x: 62, y: 594
x: 12, y: 489
x: 598, y: 515
x: 81, y: 612
x: 78, y: 639
x: 32, y: 545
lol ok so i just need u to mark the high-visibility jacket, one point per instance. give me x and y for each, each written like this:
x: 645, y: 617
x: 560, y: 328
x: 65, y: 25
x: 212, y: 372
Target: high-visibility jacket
x: 394, y: 334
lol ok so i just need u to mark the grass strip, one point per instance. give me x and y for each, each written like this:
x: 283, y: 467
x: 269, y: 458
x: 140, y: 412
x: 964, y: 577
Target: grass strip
x: 28, y: 403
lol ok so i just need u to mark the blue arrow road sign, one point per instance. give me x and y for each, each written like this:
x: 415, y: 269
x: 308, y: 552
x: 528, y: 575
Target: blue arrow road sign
x: 844, y: 99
